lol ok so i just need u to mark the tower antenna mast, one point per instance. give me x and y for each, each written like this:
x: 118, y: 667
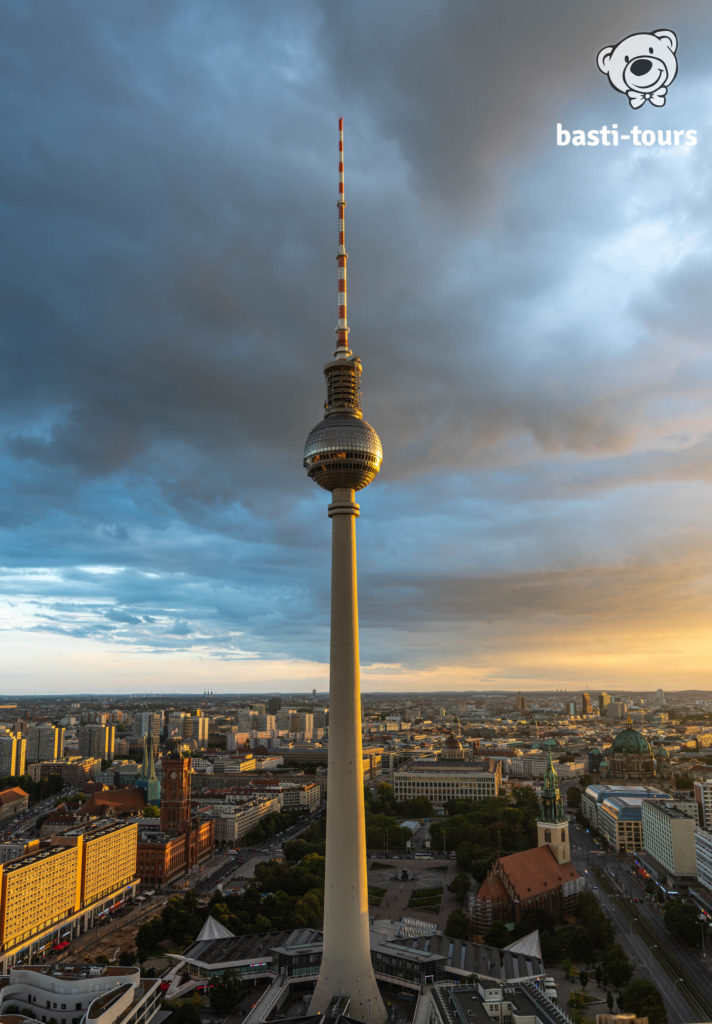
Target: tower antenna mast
x: 342, y: 326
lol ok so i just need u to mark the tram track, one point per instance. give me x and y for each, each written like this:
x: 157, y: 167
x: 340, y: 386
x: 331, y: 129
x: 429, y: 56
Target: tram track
x: 667, y: 960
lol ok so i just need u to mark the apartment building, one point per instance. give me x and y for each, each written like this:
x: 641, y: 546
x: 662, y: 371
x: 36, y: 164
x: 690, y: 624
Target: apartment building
x: 61, y: 890
x: 45, y: 743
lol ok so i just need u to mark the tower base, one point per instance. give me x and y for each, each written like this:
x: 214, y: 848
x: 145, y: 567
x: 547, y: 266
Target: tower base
x: 366, y: 1003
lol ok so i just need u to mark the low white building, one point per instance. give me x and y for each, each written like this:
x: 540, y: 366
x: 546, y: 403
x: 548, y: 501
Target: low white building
x: 79, y: 993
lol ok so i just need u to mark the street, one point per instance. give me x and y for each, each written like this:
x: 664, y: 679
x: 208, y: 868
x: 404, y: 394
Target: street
x: 681, y: 975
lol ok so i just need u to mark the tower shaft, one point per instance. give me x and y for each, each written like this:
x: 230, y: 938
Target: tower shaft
x: 346, y: 967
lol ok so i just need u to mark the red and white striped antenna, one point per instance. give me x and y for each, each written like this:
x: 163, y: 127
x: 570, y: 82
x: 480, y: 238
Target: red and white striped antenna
x: 342, y: 327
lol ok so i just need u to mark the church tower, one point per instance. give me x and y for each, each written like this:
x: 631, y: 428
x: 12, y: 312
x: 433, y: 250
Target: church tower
x: 553, y: 825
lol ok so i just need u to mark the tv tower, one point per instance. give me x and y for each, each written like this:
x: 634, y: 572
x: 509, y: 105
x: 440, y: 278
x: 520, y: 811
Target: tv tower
x: 343, y: 454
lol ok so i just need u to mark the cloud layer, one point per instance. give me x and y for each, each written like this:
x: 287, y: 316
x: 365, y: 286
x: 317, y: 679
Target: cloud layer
x: 533, y: 322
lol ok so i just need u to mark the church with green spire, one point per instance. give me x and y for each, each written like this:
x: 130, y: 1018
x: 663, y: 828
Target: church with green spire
x: 147, y: 779
x: 553, y: 824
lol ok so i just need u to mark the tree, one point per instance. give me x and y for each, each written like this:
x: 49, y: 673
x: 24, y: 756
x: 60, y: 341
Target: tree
x: 573, y: 797
x: 225, y: 993
x: 610, y: 1000
x: 497, y: 935
x: 460, y: 886
x: 617, y: 968
x: 187, y: 1012
x: 583, y: 979
x: 682, y: 919
x: 457, y: 926
x: 151, y: 812
x: 643, y: 998
x: 126, y: 959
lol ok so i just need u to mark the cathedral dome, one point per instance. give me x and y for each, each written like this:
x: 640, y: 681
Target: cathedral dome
x: 630, y: 741
x: 452, y: 743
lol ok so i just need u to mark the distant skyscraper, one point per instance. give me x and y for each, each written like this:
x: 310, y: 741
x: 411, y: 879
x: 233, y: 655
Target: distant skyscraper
x: 586, y: 707
x: 571, y: 706
x: 343, y: 454
x: 520, y: 702
x: 660, y: 697
x: 604, y: 699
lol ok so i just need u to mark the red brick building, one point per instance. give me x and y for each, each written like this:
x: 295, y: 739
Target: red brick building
x: 184, y: 839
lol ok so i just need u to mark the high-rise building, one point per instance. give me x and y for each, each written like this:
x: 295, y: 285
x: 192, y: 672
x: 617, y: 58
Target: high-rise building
x: 97, y: 741
x: 13, y: 753
x: 151, y: 724
x: 520, y: 702
x: 586, y: 707
x: 44, y: 743
x: 604, y: 699
x: 343, y: 454
x: 199, y: 724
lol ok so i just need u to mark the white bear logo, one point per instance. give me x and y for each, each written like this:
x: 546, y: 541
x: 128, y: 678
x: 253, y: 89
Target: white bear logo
x: 642, y: 66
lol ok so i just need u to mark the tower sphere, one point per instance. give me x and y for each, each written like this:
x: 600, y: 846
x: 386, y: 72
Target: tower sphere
x: 343, y: 451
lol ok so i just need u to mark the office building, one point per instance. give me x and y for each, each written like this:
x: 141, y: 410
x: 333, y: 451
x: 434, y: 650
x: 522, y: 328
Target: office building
x: 669, y: 840
x: 703, y: 800
x: 440, y: 781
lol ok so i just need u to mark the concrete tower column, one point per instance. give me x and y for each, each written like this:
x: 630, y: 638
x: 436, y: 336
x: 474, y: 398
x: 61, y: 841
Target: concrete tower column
x: 342, y: 455
x: 346, y: 965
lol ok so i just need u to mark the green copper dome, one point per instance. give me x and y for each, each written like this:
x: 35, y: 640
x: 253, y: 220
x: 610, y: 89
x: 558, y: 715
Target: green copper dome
x: 630, y: 741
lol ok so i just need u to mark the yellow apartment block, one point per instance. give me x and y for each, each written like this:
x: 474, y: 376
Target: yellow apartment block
x: 107, y: 856
x: 37, y: 891
x: 62, y: 890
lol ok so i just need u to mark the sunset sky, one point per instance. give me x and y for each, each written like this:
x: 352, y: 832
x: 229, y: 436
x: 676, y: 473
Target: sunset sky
x: 535, y: 324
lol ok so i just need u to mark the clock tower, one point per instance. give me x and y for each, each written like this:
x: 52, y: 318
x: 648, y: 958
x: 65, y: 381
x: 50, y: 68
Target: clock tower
x: 175, y: 794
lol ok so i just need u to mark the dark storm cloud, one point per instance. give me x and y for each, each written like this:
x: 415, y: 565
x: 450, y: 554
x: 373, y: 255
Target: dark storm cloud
x: 532, y: 320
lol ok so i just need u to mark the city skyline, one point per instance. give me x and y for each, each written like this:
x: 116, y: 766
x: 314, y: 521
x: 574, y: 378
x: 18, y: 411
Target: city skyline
x: 533, y: 320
